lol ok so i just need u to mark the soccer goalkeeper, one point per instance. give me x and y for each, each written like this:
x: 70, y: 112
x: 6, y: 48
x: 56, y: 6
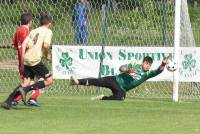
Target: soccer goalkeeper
x: 131, y: 76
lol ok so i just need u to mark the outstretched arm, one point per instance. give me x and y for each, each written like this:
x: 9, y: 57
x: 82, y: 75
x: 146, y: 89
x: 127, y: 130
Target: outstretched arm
x: 164, y: 62
x: 153, y: 73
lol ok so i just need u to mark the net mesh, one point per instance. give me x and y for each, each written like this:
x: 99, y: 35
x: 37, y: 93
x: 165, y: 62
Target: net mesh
x: 187, y: 90
x: 108, y: 23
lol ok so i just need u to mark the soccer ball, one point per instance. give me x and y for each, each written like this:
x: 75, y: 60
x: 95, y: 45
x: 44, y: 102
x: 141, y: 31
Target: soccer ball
x: 171, y: 66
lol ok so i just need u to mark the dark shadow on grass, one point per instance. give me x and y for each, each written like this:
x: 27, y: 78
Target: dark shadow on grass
x: 21, y: 107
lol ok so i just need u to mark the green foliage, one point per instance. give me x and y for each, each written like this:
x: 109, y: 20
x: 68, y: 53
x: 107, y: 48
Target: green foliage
x: 127, y: 21
x: 195, y: 20
x: 194, y: 14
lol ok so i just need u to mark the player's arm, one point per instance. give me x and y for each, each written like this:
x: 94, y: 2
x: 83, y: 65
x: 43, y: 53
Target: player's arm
x: 155, y: 72
x: 24, y: 46
x: 128, y: 68
x: 164, y: 62
x: 46, y: 51
x: 46, y: 45
x: 14, y: 41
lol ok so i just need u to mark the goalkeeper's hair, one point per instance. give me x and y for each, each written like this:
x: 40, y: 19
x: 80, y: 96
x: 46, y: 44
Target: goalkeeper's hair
x: 45, y: 19
x: 148, y: 59
x: 26, y: 18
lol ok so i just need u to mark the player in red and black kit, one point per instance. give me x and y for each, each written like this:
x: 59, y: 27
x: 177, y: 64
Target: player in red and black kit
x: 21, y: 33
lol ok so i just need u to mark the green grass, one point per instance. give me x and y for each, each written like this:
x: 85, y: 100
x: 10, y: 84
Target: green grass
x: 80, y: 115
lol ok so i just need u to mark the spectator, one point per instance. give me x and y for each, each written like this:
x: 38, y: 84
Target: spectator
x: 79, y: 22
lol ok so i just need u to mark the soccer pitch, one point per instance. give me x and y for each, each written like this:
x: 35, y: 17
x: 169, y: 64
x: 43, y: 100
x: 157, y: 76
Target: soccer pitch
x: 80, y: 115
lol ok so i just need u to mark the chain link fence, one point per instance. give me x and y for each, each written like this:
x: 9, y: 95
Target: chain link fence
x: 107, y: 22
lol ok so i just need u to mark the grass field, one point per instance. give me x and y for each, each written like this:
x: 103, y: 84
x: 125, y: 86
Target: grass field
x: 61, y: 113
x: 80, y: 115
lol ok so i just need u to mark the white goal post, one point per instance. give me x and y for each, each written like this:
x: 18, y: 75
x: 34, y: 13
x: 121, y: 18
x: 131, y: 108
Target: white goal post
x: 177, y: 36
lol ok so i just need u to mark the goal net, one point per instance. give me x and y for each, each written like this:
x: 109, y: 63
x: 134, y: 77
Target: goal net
x: 187, y: 90
x: 135, y: 23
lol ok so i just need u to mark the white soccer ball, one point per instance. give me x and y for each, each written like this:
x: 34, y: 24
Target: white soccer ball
x: 171, y: 66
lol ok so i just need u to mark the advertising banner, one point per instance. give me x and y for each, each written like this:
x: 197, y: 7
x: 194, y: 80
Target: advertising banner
x: 84, y: 61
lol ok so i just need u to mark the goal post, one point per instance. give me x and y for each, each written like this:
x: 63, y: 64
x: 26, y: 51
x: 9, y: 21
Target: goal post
x: 177, y: 35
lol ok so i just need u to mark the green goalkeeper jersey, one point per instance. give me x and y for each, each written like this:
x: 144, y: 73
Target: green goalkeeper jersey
x: 128, y: 81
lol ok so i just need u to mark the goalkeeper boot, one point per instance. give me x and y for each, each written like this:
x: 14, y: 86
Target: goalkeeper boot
x: 74, y: 80
x: 33, y: 102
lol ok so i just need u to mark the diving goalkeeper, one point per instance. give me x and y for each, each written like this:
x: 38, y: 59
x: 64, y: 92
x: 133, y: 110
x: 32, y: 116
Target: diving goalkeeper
x: 131, y: 76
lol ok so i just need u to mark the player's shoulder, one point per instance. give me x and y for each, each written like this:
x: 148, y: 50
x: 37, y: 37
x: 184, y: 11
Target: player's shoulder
x: 45, y: 28
x: 21, y: 29
x: 50, y: 31
x: 42, y: 30
x: 36, y: 29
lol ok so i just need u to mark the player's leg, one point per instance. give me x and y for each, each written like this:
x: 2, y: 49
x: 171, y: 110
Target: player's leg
x: 76, y: 35
x: 21, y: 73
x: 38, y: 85
x: 28, y: 75
x: 83, y: 35
x: 40, y: 70
x: 99, y: 82
x: 32, y: 101
x: 7, y: 104
x: 117, y: 93
x: 116, y: 96
x: 26, y: 82
x: 108, y: 82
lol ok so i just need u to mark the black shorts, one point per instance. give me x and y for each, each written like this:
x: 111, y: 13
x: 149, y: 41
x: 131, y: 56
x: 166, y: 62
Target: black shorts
x: 38, y: 70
